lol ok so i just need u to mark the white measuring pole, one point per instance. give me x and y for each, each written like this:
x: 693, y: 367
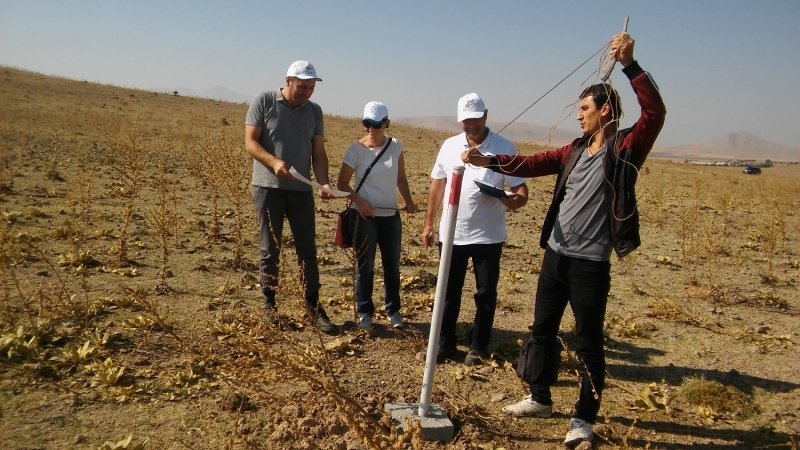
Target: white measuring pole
x: 441, y: 290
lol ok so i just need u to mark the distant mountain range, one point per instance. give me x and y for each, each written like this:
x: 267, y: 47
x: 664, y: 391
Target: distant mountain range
x: 737, y: 145
x: 517, y: 131
x: 216, y: 93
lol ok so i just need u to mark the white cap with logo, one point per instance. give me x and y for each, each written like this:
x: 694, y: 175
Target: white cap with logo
x: 470, y: 106
x: 302, y: 70
x: 375, y: 111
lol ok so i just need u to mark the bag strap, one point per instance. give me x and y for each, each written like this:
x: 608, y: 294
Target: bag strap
x: 369, y: 169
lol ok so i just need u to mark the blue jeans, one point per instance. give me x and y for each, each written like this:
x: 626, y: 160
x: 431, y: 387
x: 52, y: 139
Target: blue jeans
x: 584, y: 284
x: 486, y: 264
x: 368, y: 234
x: 272, y: 205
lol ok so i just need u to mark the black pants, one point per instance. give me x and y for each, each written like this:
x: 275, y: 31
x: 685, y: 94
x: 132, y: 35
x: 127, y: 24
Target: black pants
x: 486, y: 264
x: 368, y: 235
x: 272, y: 205
x: 584, y: 285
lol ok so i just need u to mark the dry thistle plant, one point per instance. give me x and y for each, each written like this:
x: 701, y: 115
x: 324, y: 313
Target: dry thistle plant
x: 81, y: 211
x: 163, y: 220
x: 6, y: 180
x: 669, y: 310
x: 6, y: 277
x: 201, y: 159
x: 60, y: 296
x: 262, y: 357
x: 688, y: 217
x: 226, y: 167
x: 658, y: 212
x: 127, y: 161
x: 773, y: 228
x: 154, y: 316
x: 715, y: 240
x: 82, y: 214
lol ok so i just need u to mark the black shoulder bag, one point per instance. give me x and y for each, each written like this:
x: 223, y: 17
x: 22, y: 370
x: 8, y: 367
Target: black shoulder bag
x: 343, y: 238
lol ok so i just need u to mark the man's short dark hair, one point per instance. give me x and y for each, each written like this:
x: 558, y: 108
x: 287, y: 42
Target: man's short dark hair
x: 602, y: 94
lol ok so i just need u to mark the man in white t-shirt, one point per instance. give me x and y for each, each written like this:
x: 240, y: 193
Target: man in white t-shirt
x: 480, y: 225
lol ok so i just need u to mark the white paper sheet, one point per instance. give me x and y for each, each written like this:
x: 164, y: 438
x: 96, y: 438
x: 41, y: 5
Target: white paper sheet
x: 305, y: 180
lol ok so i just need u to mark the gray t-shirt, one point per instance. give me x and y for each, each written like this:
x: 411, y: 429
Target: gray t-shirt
x: 581, y: 229
x: 287, y: 133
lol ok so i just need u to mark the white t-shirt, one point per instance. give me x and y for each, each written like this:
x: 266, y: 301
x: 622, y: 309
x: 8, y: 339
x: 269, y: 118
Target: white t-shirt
x: 481, y: 218
x: 381, y: 185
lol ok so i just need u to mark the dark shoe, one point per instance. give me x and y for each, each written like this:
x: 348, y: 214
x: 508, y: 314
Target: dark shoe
x: 271, y: 315
x: 475, y: 357
x: 445, y: 354
x: 396, y: 320
x: 325, y: 325
x: 365, y: 323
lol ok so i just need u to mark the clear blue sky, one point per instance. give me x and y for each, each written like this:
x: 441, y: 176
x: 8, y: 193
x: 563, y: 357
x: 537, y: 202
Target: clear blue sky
x: 722, y: 66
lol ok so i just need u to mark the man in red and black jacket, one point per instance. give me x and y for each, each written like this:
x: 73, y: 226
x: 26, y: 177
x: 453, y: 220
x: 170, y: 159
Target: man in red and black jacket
x: 593, y: 210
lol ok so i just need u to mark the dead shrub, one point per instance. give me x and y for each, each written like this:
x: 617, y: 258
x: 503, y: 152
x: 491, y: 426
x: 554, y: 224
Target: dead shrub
x: 668, y: 310
x: 714, y: 401
x: 163, y: 219
x: 127, y: 160
x: 225, y: 167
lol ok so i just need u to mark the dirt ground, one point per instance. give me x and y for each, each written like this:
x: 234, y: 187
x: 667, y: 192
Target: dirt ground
x: 101, y: 340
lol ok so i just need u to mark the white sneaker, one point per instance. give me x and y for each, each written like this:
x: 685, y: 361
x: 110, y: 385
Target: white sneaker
x: 579, y: 431
x: 527, y: 407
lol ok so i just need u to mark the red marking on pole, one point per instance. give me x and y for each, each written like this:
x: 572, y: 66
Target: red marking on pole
x: 455, y: 189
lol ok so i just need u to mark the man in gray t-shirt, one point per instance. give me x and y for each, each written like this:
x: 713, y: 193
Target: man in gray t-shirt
x: 580, y: 229
x: 283, y: 130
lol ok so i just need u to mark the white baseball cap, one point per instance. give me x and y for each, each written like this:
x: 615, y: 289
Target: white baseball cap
x: 375, y: 111
x: 302, y: 70
x: 470, y: 106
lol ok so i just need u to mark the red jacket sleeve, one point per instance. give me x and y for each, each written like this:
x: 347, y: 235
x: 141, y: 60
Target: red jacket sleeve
x: 653, y: 112
x: 527, y: 166
x: 641, y: 138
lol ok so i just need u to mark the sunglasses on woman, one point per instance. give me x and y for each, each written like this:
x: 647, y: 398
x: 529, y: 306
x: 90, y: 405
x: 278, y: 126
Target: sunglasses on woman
x: 369, y: 123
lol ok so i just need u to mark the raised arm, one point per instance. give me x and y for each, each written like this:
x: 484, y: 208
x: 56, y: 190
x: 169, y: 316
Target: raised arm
x: 653, y: 112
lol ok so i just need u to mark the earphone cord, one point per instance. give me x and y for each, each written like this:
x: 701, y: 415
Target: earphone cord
x: 545, y: 94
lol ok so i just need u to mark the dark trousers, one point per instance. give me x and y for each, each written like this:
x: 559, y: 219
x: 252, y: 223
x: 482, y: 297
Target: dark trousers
x: 368, y: 235
x: 486, y: 265
x: 272, y: 205
x: 584, y: 285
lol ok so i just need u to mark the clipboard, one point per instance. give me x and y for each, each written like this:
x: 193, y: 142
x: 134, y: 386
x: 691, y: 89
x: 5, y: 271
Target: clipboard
x: 491, y: 190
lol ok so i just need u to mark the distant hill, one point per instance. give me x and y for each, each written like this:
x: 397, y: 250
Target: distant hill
x: 517, y: 131
x: 737, y: 145
x: 216, y: 93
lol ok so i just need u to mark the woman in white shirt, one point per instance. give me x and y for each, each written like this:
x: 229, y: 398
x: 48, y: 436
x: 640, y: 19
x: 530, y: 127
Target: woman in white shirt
x: 377, y: 223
